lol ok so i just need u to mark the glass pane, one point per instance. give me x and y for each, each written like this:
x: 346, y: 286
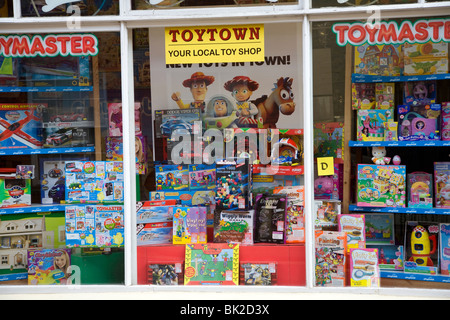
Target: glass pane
x: 40, y: 8
x: 352, y: 3
x: 205, y: 112
x: 61, y: 203
x: 6, y: 9
x: 376, y: 107
x: 165, y: 4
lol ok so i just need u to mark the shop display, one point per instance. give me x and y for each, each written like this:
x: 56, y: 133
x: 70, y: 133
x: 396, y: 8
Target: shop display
x: 442, y: 184
x: 165, y: 274
x: 364, y: 268
x: 234, y: 227
x: 270, y: 218
x: 422, y: 247
x: 425, y: 58
x: 49, y: 266
x: 258, y: 274
x: 354, y: 225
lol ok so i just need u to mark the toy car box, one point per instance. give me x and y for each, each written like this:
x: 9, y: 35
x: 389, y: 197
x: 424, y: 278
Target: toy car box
x: 380, y: 60
x: 370, y: 124
x: 234, y: 226
x: 425, y: 58
x: 154, y: 233
x: 154, y: 211
x: 442, y: 184
x: 270, y: 218
x: 420, y: 190
x: 68, y: 134
x: 176, y: 120
x: 421, y: 122
x: 381, y: 185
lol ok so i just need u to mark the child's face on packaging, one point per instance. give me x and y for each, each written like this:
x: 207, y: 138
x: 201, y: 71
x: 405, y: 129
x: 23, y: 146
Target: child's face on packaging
x: 60, y: 261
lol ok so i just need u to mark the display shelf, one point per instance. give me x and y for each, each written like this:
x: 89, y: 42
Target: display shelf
x: 439, y: 211
x: 39, y: 208
x: 47, y: 89
x: 425, y: 143
x: 414, y: 276
x: 15, y: 152
x: 14, y: 276
x: 278, y: 170
x: 364, y: 78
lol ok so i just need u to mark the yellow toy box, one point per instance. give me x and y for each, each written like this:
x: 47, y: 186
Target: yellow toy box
x: 425, y: 58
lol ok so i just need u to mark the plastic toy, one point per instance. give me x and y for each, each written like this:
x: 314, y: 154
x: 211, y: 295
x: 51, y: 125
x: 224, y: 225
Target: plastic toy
x: 370, y: 124
x: 396, y: 160
x: 202, y: 177
x: 391, y: 131
x: 390, y: 257
x: 420, y: 190
x: 422, y: 246
x: 445, y: 121
x: 14, y: 192
x: 176, y: 120
x: 364, y: 270
x: 442, y: 184
x: 285, y: 152
x: 165, y: 274
x: 363, y: 96
x: 379, y: 155
x: 68, y: 117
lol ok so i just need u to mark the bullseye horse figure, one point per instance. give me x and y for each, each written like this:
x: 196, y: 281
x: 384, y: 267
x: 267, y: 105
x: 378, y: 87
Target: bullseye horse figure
x: 280, y: 100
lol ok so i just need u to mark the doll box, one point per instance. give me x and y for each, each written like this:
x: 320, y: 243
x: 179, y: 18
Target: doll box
x: 442, y: 184
x: 425, y: 58
x: 419, y: 122
x: 420, y: 190
x: 381, y: 185
x: 381, y: 60
x: 419, y: 93
x: 364, y: 269
x: 115, y: 119
x: 176, y: 120
x: 370, y: 124
x: 445, y: 121
x: 445, y: 248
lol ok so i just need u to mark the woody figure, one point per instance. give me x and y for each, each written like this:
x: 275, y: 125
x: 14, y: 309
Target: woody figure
x: 198, y: 84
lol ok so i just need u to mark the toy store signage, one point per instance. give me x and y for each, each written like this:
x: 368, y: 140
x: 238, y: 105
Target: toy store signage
x: 391, y: 32
x: 49, y: 46
x: 214, y: 44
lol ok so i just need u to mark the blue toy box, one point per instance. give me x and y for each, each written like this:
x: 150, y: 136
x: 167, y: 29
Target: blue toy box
x: 172, y: 177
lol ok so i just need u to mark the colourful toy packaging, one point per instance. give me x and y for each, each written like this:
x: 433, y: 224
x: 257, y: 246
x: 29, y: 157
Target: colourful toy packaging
x: 295, y: 219
x: 114, y: 151
x: 326, y: 214
x: 115, y: 119
x: 391, y: 131
x: 390, y: 257
x: 202, y: 176
x: 370, y: 124
x: 363, y: 96
x: 53, y: 181
x: 15, y: 193
x: 189, y: 225
x: 419, y: 93
x: 379, y: 229
x: 381, y: 60
x: 258, y: 274
x: 420, y: 190
x: 364, y: 270
x: 381, y: 185
x: 94, y: 182
x: 422, y: 247
x: 445, y: 248
x: 234, y: 184
x: 21, y: 126
x: 154, y: 211
x: 191, y: 198
x: 329, y: 139
x: 445, y: 121
x: 172, y: 177
x: 384, y: 95
x: 168, y: 274
x: 329, y: 187
x: 419, y: 122
x: 154, y: 233
x: 49, y: 266
x: 234, y: 227
x: 270, y: 218
x: 330, y: 256
x: 94, y: 226
x: 68, y: 134
x: 212, y: 264
x: 176, y: 120
x: 442, y: 184
x: 354, y: 226
x: 425, y: 58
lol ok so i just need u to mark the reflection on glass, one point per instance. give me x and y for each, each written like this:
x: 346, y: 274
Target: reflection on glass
x: 349, y: 3
x: 45, y: 8
x: 152, y: 4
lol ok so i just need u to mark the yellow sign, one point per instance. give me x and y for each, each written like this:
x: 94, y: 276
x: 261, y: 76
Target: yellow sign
x: 214, y: 44
x: 325, y: 166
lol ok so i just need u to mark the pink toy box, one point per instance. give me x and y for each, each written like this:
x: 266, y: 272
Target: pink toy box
x: 329, y: 187
x: 420, y: 190
x: 442, y: 184
x: 419, y: 122
x: 445, y: 121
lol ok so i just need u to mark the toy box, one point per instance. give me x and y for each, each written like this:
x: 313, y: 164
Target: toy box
x: 295, y: 219
x: 202, y: 177
x: 270, y: 218
x: 189, y: 225
x: 445, y: 121
x: 363, y: 96
x: 326, y: 214
x: 94, y: 182
x: 68, y: 134
x: 258, y: 274
x: 391, y: 131
x: 115, y: 119
x: 425, y: 58
x: 419, y: 93
x: 235, y: 227
x: 233, y: 184
x: 165, y: 274
x: 191, y: 198
x: 390, y: 257
x: 330, y: 256
x: 329, y: 139
x: 355, y: 227
x: 442, y: 184
x: 370, y: 124
x: 114, y: 151
x: 172, y: 177
x: 181, y: 121
x: 419, y: 122
x: 154, y: 233
x: 95, y: 225
x: 381, y: 185
x: 49, y: 266
x: 364, y: 270
x: 21, y: 126
x: 445, y: 248
x: 15, y: 192
x: 381, y: 60
x: 287, y: 150
x: 379, y: 229
x: 384, y: 95
x: 330, y: 187
x: 154, y: 211
x: 212, y: 264
x: 420, y: 190
x: 422, y: 247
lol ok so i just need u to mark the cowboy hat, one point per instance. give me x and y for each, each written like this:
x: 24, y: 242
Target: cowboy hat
x: 252, y: 85
x: 198, y: 77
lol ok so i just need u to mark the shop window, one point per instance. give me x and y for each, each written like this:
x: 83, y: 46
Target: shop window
x: 165, y: 4
x: 42, y: 8
x: 6, y: 8
x: 353, y: 3
x: 384, y: 103
x: 62, y: 192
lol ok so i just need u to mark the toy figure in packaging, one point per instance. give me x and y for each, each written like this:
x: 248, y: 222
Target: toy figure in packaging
x: 259, y: 274
x: 165, y: 274
x: 363, y: 96
x: 419, y: 93
x: 330, y: 256
x: 270, y: 218
x: 421, y: 247
x: 370, y: 124
x: 364, y: 270
x: 442, y: 184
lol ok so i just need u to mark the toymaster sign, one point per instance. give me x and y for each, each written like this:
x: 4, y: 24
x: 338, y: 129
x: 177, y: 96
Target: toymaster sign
x: 49, y: 46
x: 421, y: 31
x: 214, y: 44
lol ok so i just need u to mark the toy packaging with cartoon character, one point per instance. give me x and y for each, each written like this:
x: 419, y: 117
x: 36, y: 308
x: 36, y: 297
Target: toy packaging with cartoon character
x: 420, y: 190
x: 442, y: 184
x: 425, y: 58
x: 355, y: 227
x: 445, y: 121
x: 189, y: 225
x: 258, y: 274
x: 380, y: 60
x: 419, y: 122
x: 295, y: 219
x: 172, y: 177
x: 370, y: 124
x: 445, y: 248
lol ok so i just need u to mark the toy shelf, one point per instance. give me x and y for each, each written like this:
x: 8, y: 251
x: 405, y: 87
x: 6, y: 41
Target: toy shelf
x: 414, y: 276
x: 39, y: 208
x: 439, y: 211
x: 278, y: 170
x: 425, y: 143
x: 15, y: 152
x: 364, y: 78
x: 47, y: 89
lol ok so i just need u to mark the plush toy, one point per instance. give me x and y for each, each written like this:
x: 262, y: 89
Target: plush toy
x: 379, y: 155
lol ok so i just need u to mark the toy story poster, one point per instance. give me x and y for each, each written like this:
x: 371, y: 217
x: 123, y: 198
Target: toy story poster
x: 252, y: 94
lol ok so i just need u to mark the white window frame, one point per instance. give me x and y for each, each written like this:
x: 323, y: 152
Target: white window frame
x: 127, y: 20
